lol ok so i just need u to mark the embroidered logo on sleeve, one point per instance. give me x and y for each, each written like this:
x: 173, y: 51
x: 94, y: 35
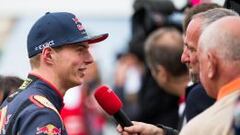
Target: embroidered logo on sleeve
x: 42, y: 101
x: 48, y: 129
x: 4, y: 119
x: 25, y: 83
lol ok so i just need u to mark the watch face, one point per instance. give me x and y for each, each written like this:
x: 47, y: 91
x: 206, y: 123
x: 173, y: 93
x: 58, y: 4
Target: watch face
x: 233, y: 4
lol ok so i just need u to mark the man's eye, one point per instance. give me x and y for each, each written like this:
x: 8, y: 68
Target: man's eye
x: 80, y: 49
x: 191, y: 49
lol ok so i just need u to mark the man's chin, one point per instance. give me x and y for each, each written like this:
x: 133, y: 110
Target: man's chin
x: 78, y: 82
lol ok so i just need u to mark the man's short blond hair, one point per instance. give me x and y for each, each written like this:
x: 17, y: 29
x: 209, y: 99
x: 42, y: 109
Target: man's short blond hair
x: 35, y: 61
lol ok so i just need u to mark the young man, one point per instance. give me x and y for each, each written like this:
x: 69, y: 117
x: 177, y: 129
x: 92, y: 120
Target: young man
x: 57, y: 47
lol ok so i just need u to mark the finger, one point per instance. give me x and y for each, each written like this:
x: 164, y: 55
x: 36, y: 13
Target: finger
x: 119, y: 128
x: 133, y: 129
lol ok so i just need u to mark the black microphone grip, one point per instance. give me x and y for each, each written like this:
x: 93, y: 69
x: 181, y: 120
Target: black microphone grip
x: 122, y: 119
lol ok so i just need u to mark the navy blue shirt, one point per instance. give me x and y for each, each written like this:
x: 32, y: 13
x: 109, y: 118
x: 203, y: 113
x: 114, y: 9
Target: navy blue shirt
x: 197, y: 101
x: 33, y: 109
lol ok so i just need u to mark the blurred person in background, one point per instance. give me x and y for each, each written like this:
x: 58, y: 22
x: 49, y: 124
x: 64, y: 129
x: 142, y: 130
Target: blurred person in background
x: 58, y: 51
x: 163, y: 49
x: 129, y: 71
x: 232, y: 4
x: 155, y: 105
x: 9, y: 85
x: 81, y: 113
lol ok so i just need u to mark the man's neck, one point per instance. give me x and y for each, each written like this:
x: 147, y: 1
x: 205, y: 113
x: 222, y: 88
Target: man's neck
x: 51, y: 78
x: 179, y: 84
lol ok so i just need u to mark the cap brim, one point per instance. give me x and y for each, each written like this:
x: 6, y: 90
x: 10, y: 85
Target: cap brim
x: 90, y: 40
x: 98, y: 38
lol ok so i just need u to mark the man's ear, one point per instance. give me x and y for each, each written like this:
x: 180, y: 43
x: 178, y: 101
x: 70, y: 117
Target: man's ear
x: 162, y: 73
x: 211, y: 66
x: 47, y: 55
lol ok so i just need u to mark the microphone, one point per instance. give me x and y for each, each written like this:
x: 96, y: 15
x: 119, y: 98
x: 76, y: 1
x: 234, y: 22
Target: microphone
x: 110, y: 102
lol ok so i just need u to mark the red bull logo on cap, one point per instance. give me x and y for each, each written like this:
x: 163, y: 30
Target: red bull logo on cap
x: 49, y: 130
x: 78, y: 23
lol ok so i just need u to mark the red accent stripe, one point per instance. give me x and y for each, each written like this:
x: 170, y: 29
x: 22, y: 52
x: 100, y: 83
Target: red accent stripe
x: 50, y: 84
x: 31, y: 98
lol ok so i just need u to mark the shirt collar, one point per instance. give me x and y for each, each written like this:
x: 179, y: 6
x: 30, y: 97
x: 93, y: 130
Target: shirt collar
x: 229, y: 88
x: 49, y: 83
x: 49, y: 90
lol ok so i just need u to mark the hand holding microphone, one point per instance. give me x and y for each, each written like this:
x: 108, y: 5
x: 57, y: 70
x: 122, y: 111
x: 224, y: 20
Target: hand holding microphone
x: 110, y: 102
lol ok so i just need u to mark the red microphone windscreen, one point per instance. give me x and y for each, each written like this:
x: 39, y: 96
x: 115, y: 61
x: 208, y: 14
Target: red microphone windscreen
x: 108, y: 100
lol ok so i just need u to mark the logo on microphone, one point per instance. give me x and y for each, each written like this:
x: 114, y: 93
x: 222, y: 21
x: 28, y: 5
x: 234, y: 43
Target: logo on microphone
x: 109, y: 90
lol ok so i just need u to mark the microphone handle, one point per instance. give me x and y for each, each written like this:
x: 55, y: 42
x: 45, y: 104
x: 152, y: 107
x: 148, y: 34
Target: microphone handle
x: 122, y: 119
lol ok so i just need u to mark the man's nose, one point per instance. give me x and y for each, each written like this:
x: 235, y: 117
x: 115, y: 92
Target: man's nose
x: 88, y: 58
x: 185, y: 56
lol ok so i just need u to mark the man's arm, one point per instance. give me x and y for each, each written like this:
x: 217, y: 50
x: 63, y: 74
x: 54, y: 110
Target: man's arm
x: 40, y: 122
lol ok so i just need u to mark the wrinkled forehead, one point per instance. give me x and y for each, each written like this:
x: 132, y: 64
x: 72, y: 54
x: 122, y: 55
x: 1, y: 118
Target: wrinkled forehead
x: 193, y: 32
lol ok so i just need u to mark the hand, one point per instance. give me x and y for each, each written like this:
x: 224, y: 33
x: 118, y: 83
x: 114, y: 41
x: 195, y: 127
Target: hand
x: 140, y: 128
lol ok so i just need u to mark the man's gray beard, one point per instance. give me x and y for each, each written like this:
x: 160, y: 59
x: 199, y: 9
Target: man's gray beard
x: 194, y: 77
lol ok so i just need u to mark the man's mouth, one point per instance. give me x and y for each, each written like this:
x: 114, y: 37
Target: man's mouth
x: 82, y: 72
